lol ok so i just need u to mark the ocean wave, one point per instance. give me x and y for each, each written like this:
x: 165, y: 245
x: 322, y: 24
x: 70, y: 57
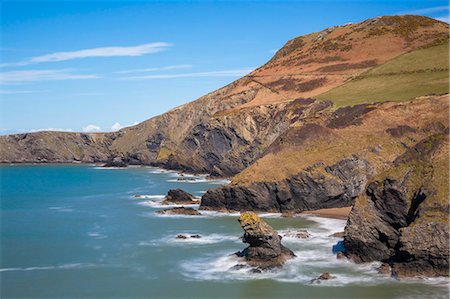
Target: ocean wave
x: 143, y: 196
x: 203, y: 240
x: 97, y: 235
x: 61, y: 209
x: 108, y: 168
x: 58, y: 267
x: 158, y: 205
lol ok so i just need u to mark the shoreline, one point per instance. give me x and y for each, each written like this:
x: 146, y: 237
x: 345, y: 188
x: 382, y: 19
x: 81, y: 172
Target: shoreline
x: 334, y: 213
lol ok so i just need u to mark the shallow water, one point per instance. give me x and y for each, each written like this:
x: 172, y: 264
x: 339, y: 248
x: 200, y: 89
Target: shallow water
x: 77, y: 231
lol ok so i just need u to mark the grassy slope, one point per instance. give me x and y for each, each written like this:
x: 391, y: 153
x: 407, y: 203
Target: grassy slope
x: 358, y: 139
x: 407, y: 76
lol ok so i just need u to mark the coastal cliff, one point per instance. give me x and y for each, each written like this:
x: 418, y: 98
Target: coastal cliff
x: 351, y: 115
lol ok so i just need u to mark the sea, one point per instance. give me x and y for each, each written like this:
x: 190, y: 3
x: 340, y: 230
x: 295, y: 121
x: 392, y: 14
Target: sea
x: 80, y: 231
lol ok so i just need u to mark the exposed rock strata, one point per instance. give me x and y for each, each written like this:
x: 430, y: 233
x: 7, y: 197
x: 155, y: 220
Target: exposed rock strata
x: 319, y: 187
x: 403, y: 219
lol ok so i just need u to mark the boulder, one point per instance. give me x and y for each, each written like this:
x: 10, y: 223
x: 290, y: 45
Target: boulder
x: 179, y: 211
x: 178, y: 196
x: 323, y: 276
x: 115, y: 162
x: 265, y: 250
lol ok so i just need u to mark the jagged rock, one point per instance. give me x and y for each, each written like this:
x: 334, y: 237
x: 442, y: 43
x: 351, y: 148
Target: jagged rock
x: 308, y: 190
x: 115, y: 162
x: 179, y: 211
x: 265, y: 250
x: 137, y: 196
x: 299, y: 234
x: 323, y: 276
x: 404, y: 221
x: 179, y: 197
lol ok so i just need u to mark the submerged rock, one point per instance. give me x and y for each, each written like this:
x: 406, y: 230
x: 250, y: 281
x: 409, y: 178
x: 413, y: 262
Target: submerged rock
x: 184, y: 179
x: 265, y: 250
x: 178, y: 196
x: 184, y: 237
x: 179, y: 211
x: 323, y: 276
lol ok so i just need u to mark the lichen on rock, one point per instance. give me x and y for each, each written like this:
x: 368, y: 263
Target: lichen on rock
x: 265, y: 250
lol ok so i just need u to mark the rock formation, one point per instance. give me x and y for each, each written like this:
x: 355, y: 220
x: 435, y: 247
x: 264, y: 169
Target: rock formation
x: 402, y: 219
x: 179, y: 197
x: 179, y: 211
x: 265, y: 249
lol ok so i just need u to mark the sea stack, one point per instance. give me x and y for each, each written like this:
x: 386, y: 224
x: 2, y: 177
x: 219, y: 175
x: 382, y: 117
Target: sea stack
x: 265, y: 250
x: 179, y: 197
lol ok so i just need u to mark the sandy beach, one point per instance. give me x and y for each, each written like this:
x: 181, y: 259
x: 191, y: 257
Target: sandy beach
x: 339, y: 213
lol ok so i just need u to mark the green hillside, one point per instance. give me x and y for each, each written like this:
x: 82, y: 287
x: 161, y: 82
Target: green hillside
x: 418, y: 73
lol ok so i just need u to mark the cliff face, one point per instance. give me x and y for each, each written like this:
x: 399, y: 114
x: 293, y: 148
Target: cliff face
x: 402, y: 218
x: 224, y: 132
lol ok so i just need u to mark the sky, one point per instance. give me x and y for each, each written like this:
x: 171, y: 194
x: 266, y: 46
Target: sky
x: 102, y: 65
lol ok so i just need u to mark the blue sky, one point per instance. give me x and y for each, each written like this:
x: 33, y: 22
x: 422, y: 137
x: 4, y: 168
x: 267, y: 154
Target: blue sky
x: 99, y: 66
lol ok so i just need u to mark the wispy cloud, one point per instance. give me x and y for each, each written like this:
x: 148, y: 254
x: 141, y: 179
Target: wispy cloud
x: 445, y: 19
x: 12, y: 77
x: 225, y: 73
x: 2, y: 91
x: 94, y: 94
x: 51, y: 129
x: 95, y: 52
x: 91, y: 128
x: 156, y: 69
x: 426, y: 10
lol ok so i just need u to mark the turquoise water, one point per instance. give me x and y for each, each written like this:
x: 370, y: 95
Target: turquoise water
x: 77, y: 231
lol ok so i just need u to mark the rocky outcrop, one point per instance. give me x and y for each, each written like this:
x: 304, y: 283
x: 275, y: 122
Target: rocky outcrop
x: 323, y: 276
x: 179, y: 197
x: 265, y: 250
x: 403, y: 219
x: 179, y: 211
x: 318, y: 187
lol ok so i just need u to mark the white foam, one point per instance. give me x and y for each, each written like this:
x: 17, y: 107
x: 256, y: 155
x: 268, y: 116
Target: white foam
x: 203, y: 240
x: 97, y: 235
x: 108, y: 168
x: 58, y: 267
x: 143, y: 196
x: 61, y: 209
x: 157, y: 204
